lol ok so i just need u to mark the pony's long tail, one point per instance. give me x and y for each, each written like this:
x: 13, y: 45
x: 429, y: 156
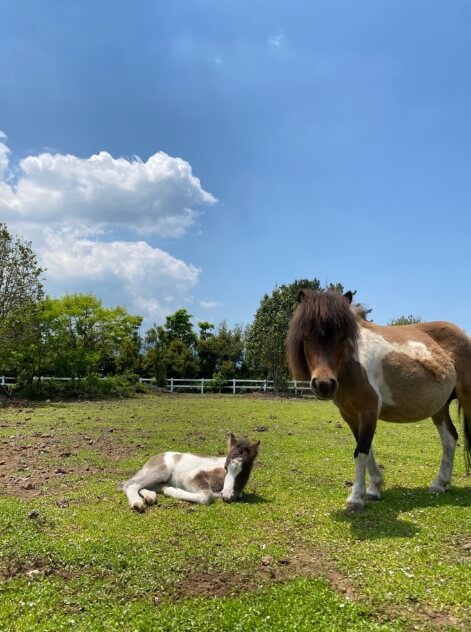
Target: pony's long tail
x: 467, y: 438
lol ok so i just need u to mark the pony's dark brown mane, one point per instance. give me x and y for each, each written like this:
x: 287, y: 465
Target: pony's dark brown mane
x: 323, y: 315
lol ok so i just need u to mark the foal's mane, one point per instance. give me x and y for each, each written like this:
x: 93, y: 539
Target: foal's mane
x: 326, y: 315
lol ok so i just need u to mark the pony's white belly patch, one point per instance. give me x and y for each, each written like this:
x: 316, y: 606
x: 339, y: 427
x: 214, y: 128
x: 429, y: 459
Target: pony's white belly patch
x: 372, y: 349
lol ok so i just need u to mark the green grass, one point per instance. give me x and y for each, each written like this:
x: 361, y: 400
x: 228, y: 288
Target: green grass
x: 289, y: 557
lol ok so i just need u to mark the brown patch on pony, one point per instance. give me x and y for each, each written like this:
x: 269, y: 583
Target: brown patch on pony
x: 210, y: 479
x: 323, y: 316
x: 431, y: 355
x: 157, y: 462
x: 402, y: 374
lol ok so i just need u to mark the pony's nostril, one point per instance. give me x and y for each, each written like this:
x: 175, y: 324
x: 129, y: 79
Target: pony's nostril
x: 325, y: 388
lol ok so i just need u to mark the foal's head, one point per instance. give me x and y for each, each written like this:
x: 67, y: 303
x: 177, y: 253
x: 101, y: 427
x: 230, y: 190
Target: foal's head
x: 238, y: 466
x: 321, y: 333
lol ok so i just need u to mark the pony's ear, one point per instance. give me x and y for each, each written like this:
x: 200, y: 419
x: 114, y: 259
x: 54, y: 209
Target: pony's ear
x: 232, y: 440
x: 254, y: 448
x: 301, y: 296
x: 349, y: 296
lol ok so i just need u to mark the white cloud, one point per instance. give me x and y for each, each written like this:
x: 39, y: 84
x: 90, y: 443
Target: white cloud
x: 277, y: 40
x: 209, y: 304
x: 155, y: 196
x: 133, y: 274
x: 4, y: 158
x: 71, y: 208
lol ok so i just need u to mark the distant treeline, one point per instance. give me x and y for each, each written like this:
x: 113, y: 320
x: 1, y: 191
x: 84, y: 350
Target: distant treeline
x: 76, y: 336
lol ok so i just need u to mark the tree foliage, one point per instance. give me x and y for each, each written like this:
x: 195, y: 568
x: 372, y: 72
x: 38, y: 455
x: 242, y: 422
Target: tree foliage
x: 21, y: 293
x: 267, y: 335
x: 20, y: 276
x: 405, y: 320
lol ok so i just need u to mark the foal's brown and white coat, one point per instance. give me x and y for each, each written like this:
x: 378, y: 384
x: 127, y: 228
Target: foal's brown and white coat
x: 194, y: 478
x: 371, y: 372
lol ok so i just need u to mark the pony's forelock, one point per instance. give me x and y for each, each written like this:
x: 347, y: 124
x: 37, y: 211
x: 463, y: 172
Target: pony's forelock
x: 318, y: 312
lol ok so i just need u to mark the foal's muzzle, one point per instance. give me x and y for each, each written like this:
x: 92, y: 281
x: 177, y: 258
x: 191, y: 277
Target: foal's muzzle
x: 324, y: 388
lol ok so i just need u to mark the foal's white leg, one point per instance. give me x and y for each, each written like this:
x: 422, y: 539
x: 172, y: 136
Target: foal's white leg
x: 442, y: 481
x: 356, y: 500
x: 149, y: 496
x: 203, y: 497
x: 376, y: 478
x: 134, y: 499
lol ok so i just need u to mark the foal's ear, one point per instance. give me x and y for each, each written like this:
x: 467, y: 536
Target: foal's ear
x: 254, y: 448
x: 349, y: 296
x: 232, y: 440
x: 301, y: 296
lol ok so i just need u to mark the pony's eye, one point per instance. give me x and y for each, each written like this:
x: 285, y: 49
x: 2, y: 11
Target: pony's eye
x: 343, y: 338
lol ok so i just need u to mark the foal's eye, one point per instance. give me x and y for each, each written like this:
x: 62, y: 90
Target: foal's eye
x: 343, y: 338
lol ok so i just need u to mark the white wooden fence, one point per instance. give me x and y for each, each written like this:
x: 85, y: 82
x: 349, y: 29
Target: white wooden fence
x: 233, y: 385
x: 199, y: 384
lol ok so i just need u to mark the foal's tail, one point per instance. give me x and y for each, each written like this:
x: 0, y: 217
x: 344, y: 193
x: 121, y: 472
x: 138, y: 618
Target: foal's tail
x: 467, y: 437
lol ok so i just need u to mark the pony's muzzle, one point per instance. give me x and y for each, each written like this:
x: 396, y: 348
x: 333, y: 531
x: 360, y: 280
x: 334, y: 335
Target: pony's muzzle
x: 324, y: 388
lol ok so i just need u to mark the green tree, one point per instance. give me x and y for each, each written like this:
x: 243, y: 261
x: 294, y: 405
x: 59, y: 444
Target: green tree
x: 81, y: 337
x: 266, y: 337
x: 154, y: 362
x: 222, y: 353
x: 405, y: 320
x: 179, y: 326
x: 21, y: 292
x: 170, y: 350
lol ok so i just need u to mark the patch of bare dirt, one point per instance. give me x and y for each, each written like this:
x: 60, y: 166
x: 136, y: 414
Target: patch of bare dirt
x: 201, y: 582
x: 29, y: 461
x: 209, y: 583
x: 11, y: 567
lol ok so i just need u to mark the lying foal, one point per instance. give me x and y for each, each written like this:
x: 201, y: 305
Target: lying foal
x: 198, y: 479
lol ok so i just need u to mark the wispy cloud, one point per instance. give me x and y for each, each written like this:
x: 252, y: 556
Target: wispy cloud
x: 209, y: 304
x: 277, y: 40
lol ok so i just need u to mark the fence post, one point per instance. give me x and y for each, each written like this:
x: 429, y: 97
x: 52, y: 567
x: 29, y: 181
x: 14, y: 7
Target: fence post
x: 233, y: 387
x: 265, y: 386
x: 295, y: 387
x: 202, y: 385
x: 171, y: 384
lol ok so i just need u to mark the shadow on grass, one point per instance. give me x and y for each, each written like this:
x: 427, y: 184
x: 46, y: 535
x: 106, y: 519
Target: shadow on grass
x: 253, y: 499
x: 384, y: 519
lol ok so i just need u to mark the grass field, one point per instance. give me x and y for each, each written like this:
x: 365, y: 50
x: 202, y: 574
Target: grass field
x: 73, y: 555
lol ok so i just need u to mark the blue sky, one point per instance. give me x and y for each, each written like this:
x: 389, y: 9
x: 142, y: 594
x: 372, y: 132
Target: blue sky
x: 316, y: 139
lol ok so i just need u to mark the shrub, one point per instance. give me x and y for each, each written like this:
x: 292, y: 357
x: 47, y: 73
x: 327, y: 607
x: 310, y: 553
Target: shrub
x: 90, y: 387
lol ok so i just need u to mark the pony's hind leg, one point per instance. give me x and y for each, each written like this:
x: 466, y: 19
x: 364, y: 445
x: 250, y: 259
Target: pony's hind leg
x: 449, y: 438
x: 140, y: 489
x: 149, y: 496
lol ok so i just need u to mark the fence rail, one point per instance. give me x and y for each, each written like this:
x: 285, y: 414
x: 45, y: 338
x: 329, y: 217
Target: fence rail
x: 233, y: 385
x: 200, y: 384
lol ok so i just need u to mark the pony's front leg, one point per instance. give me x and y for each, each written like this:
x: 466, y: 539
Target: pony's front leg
x: 376, y: 478
x: 356, y: 500
x: 202, y: 497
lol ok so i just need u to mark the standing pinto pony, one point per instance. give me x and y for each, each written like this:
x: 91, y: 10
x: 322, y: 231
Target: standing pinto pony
x: 395, y: 373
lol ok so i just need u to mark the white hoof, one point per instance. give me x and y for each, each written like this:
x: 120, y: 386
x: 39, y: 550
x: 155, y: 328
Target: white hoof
x: 139, y: 505
x: 437, y: 488
x: 149, y: 496
x: 373, y: 494
x: 355, y: 506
